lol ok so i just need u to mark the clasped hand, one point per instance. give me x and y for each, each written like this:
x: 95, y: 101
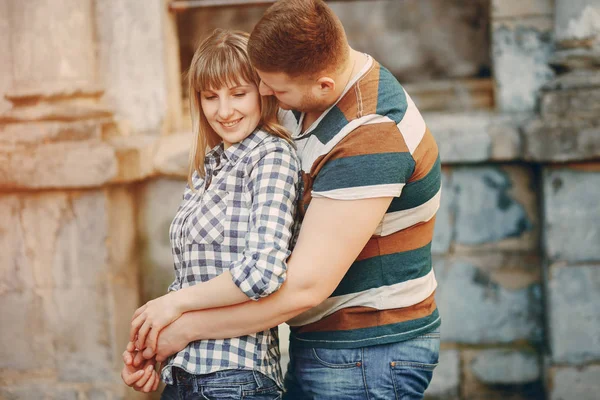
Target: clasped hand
x: 151, y: 318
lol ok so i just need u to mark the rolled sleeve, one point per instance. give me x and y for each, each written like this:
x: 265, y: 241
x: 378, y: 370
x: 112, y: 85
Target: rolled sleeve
x: 273, y: 184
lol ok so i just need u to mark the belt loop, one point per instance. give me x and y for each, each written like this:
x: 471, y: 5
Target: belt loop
x: 258, y: 379
x: 196, y: 384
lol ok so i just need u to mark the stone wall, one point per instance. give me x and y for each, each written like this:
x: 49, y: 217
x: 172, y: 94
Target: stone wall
x: 92, y: 165
x: 71, y: 158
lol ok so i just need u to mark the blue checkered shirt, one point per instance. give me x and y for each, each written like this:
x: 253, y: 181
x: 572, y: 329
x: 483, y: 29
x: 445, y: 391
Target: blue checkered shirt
x: 241, y: 220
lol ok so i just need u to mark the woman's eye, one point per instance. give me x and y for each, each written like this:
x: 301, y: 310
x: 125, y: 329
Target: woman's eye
x: 210, y: 97
x: 239, y: 94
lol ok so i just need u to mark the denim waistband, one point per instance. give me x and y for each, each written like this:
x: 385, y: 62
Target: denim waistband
x: 225, y: 377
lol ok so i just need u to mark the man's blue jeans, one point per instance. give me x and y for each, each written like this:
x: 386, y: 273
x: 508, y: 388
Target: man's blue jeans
x: 400, y: 370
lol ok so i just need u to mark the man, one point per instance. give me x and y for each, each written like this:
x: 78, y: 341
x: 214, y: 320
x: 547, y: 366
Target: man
x: 359, y: 293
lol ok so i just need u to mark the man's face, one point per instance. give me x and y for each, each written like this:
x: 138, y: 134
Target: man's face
x: 292, y: 93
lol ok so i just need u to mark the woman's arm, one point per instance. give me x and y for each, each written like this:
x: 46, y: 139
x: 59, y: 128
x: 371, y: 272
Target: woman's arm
x: 272, y: 184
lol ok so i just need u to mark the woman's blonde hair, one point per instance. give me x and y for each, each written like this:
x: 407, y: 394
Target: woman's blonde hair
x: 222, y: 59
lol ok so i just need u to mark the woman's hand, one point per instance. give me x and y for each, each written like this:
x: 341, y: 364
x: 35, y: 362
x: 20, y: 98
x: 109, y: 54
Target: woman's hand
x: 141, y: 377
x: 151, y: 318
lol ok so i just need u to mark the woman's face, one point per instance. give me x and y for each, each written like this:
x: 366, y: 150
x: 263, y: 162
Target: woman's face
x: 233, y: 112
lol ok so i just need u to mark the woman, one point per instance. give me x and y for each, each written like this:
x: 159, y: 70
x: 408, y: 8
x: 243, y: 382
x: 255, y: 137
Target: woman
x: 232, y: 233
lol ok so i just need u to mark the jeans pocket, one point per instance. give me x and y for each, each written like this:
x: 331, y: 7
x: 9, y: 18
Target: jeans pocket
x: 411, y: 379
x: 338, y: 358
x: 413, y: 369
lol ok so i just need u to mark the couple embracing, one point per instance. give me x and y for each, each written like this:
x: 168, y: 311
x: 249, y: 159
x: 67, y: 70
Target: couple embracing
x: 315, y: 206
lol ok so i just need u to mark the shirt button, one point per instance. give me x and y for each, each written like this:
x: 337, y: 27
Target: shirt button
x: 393, y: 363
x: 255, y: 256
x: 358, y: 364
x: 215, y: 172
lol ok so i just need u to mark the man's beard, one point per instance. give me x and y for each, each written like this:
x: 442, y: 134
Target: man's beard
x: 308, y: 104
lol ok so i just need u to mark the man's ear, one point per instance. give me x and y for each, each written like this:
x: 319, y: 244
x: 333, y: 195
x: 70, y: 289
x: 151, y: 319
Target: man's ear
x: 326, y: 84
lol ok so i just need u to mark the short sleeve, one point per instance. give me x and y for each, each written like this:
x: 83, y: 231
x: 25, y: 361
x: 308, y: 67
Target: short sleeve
x: 372, y: 161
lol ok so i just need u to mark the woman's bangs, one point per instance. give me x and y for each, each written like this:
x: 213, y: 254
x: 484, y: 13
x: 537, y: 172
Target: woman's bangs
x: 222, y: 67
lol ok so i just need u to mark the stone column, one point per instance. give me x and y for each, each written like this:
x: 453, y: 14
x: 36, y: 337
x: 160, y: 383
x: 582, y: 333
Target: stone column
x: 569, y: 125
x: 68, y: 273
x: 569, y: 130
x: 139, y: 63
x: 521, y: 47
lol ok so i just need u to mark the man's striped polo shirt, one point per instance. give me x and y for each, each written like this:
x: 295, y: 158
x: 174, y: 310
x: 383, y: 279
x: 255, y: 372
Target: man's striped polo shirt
x: 374, y: 143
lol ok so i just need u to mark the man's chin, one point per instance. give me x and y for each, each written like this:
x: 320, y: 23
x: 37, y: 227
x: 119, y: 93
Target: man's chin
x: 285, y: 106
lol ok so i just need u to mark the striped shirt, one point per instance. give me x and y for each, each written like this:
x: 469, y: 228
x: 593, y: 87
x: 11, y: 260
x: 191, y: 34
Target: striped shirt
x: 240, y: 219
x: 374, y: 143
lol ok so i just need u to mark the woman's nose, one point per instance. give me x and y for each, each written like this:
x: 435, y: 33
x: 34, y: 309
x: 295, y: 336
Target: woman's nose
x: 225, y: 109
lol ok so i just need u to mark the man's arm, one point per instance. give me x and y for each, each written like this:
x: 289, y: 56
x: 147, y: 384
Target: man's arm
x: 333, y: 234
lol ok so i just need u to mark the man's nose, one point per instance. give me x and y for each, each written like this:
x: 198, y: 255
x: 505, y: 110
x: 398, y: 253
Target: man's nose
x: 264, y: 90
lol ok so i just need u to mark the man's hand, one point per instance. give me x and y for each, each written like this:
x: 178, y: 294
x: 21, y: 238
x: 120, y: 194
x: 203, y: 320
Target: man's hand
x: 141, y: 377
x: 151, y: 318
x: 172, y: 339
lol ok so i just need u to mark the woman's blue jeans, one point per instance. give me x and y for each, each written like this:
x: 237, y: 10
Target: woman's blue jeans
x: 228, y: 384
x: 399, y: 370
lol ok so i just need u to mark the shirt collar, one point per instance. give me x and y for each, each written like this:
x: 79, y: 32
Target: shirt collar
x: 299, y: 134
x: 237, y: 150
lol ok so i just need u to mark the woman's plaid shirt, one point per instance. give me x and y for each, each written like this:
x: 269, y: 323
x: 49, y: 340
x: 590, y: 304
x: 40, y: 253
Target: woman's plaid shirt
x: 241, y: 220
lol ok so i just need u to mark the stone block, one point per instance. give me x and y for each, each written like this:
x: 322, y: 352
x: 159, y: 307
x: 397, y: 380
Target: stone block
x: 574, y: 321
x: 57, y: 165
x: 81, y: 328
x: 46, y: 391
x: 135, y: 156
x: 172, y: 155
x: 67, y: 110
x: 68, y: 54
x: 81, y: 256
x: 27, y: 342
x: 55, y: 239
x: 16, y: 272
x: 495, y: 206
x: 6, y: 76
x: 577, y: 55
x: 521, y: 50
x: 34, y: 133
x: 439, y: 38
x: 446, y: 377
x: 560, y: 140
x: 572, y: 213
x: 476, y: 136
x: 571, y: 104
x: 131, y: 57
x: 474, y: 362
x: 477, y: 309
x: 574, y: 80
x: 159, y: 200
x: 48, y: 212
x: 575, y: 383
x: 577, y: 20
x: 520, y: 9
x: 124, y: 286
x: 121, y: 207
x: 442, y: 236
x: 454, y: 95
x: 506, y: 367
